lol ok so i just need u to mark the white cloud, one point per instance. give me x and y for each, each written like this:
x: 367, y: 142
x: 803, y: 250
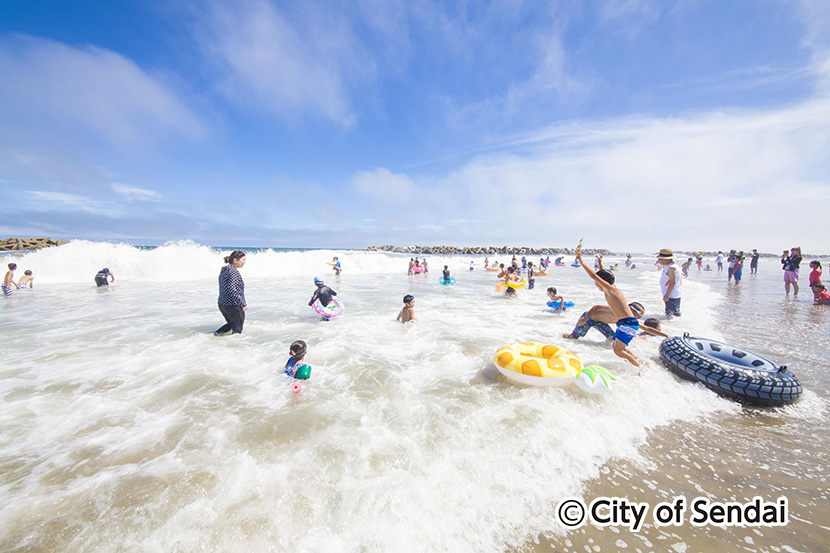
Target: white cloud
x: 710, y: 180
x: 284, y: 66
x: 47, y: 85
x: 60, y: 197
x: 135, y: 193
x: 815, y: 15
x: 385, y: 187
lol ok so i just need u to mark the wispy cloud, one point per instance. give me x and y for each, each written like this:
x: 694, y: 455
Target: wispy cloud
x: 51, y: 200
x: 688, y: 182
x: 134, y: 193
x: 48, y: 85
x: 270, y: 62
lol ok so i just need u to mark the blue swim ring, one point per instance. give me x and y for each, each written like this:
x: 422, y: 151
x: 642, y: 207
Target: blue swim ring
x: 558, y: 304
x: 446, y: 282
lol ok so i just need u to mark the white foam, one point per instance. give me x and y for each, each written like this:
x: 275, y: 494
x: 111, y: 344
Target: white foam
x: 119, y: 406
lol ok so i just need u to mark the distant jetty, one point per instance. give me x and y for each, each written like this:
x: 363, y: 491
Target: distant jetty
x: 481, y: 250
x: 19, y: 244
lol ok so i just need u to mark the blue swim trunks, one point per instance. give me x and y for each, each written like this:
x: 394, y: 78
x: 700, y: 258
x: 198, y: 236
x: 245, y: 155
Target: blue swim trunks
x: 627, y: 328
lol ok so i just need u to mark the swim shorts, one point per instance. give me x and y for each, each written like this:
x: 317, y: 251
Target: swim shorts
x: 7, y: 290
x: 627, y: 329
x: 581, y: 330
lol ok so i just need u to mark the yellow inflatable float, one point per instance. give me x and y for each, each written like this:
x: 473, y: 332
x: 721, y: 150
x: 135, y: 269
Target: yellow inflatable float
x: 537, y: 364
x: 547, y: 365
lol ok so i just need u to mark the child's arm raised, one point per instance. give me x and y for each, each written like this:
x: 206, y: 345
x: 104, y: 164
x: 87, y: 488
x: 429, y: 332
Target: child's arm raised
x: 604, y: 285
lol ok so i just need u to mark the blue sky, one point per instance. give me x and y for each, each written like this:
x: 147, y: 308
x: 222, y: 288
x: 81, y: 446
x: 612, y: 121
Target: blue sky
x: 637, y: 124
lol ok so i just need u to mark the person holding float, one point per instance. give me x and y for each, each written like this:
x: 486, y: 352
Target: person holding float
x: 446, y: 279
x: 231, y: 300
x: 323, y: 301
x: 296, y: 367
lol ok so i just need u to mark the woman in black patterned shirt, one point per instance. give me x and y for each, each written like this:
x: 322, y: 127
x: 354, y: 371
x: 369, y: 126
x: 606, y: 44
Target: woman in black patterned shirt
x: 232, y: 294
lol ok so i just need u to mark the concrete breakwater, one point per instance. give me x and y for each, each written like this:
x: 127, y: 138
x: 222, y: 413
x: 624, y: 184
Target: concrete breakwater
x: 482, y: 250
x: 16, y: 244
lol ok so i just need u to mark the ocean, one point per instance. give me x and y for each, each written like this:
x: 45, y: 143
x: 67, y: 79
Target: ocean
x: 127, y: 426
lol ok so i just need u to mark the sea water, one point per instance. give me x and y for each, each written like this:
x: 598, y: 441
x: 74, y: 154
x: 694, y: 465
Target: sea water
x: 127, y: 426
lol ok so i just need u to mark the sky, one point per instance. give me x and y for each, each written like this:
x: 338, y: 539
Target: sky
x: 636, y: 124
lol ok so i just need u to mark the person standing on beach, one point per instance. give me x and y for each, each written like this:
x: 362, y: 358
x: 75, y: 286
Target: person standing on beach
x: 231, y: 301
x: 670, y: 282
x: 103, y: 276
x: 753, y: 262
x: 720, y: 261
x: 731, y: 261
x: 8, y: 280
x: 790, y: 265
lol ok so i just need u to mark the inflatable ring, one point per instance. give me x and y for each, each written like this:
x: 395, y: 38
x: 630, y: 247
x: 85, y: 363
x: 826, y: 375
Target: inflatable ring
x: 446, y: 282
x: 537, y: 364
x: 558, y: 304
x: 594, y: 379
x: 730, y: 371
x: 330, y: 311
x: 511, y: 284
x: 417, y: 269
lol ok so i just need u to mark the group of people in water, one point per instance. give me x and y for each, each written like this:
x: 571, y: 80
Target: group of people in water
x: 9, y: 285
x: 232, y: 306
x: 617, y: 311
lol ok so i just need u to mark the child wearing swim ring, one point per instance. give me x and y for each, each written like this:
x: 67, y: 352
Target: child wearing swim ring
x: 554, y: 297
x: 295, y: 367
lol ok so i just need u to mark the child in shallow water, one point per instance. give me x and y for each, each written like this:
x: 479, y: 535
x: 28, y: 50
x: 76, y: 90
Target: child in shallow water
x: 408, y: 312
x: 652, y: 327
x: 815, y: 278
x: 823, y: 295
x: 8, y: 280
x: 295, y: 365
x: 27, y: 280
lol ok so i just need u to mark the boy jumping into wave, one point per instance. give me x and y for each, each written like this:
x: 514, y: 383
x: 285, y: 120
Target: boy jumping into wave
x: 627, y: 324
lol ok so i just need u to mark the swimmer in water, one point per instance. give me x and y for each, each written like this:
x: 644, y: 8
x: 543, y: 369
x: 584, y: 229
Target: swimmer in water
x: 408, y: 312
x: 295, y: 365
x: 103, y: 276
